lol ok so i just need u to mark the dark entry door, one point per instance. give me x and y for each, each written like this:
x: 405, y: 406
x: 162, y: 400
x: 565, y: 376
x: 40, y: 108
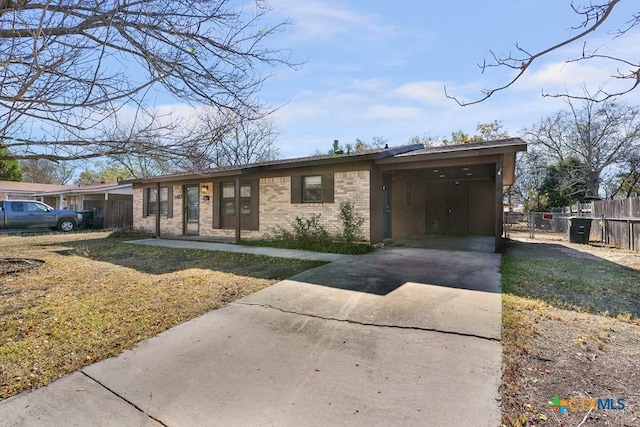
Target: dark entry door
x: 386, y: 207
x: 191, y: 209
x: 458, y: 208
x: 447, y: 208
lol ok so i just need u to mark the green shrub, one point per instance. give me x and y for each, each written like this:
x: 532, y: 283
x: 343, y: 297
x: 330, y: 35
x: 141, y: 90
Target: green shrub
x: 309, y: 234
x: 309, y: 229
x: 351, y: 222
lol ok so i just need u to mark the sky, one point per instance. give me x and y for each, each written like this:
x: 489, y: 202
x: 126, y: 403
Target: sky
x: 379, y: 68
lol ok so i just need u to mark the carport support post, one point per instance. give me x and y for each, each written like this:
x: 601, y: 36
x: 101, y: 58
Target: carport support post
x: 499, y: 207
x: 157, y: 209
x: 237, y: 209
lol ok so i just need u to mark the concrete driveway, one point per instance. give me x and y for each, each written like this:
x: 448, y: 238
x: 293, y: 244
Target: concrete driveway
x: 405, y: 336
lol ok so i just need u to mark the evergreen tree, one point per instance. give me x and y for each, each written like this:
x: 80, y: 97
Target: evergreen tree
x: 9, y: 169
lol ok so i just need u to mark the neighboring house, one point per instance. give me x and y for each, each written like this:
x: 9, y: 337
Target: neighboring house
x: 11, y: 190
x: 111, y: 204
x: 400, y: 192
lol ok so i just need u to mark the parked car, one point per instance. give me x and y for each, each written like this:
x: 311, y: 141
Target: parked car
x: 21, y: 214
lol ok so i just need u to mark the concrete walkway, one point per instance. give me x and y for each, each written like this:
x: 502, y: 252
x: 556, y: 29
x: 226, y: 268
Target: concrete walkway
x: 403, y: 336
x: 228, y: 247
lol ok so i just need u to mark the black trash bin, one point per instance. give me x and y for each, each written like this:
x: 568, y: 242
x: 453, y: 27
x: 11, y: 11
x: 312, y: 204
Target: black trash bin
x: 579, y: 229
x: 87, y: 219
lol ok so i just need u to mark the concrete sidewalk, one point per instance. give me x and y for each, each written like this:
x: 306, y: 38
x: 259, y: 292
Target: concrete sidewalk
x: 403, y: 336
x: 228, y: 247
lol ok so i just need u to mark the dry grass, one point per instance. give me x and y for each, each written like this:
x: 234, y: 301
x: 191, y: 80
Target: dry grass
x: 96, y: 296
x: 570, y: 328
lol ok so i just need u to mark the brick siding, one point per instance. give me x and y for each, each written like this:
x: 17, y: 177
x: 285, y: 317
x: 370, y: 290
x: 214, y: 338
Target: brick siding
x: 276, y: 210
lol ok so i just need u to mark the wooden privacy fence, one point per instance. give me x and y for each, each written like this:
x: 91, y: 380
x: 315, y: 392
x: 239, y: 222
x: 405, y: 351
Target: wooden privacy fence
x: 620, y: 221
x: 112, y: 213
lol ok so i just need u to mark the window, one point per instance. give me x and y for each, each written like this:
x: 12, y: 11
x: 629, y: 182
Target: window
x: 73, y: 203
x: 248, y: 205
x: 152, y: 201
x: 36, y: 207
x: 17, y: 207
x: 312, y: 189
x: 245, y: 198
x: 228, y: 198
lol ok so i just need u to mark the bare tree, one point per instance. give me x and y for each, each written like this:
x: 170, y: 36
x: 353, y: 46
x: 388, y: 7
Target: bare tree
x: 44, y: 171
x: 627, y: 181
x: 596, y: 135
x: 228, y: 140
x: 592, y: 16
x: 69, y: 69
x: 530, y: 171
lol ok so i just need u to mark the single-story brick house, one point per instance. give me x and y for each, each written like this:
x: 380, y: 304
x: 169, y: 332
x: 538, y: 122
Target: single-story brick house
x: 399, y: 191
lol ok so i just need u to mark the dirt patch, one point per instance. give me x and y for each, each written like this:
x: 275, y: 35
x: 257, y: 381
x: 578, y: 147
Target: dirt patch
x: 14, y: 265
x: 571, y: 334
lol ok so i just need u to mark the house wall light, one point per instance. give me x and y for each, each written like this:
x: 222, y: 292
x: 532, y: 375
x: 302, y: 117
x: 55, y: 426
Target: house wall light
x: 205, y: 189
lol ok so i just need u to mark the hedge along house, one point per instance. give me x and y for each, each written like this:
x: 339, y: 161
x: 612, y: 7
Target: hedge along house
x: 399, y: 192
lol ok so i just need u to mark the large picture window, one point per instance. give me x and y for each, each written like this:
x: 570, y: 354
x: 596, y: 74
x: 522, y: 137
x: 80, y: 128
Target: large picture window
x: 152, y: 201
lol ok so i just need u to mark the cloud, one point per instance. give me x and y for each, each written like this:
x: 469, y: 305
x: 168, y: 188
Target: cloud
x: 562, y: 77
x: 564, y: 71
x: 325, y: 20
x: 429, y: 92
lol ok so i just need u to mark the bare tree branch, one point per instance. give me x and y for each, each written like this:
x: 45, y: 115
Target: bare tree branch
x: 69, y: 67
x: 594, y: 15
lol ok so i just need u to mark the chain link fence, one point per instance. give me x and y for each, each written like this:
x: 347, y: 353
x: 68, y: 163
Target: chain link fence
x: 545, y: 224
x: 611, y: 222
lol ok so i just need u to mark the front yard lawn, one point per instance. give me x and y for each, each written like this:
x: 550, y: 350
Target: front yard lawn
x: 95, y: 296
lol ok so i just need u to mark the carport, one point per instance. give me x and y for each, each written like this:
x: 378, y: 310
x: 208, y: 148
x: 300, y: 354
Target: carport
x: 450, y: 190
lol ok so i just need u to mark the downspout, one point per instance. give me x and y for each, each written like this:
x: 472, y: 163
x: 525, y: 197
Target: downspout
x: 157, y: 210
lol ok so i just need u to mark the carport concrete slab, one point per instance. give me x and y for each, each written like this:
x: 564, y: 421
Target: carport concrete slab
x: 246, y: 365
x: 387, y: 269
x: 74, y: 400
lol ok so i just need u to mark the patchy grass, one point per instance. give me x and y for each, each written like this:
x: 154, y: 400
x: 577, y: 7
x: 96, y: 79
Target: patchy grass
x: 570, y: 328
x: 96, y: 296
x: 572, y: 279
x: 326, y: 246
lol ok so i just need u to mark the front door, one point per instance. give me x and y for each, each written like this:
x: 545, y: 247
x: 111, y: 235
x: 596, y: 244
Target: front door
x: 458, y: 205
x: 191, y: 210
x: 386, y: 207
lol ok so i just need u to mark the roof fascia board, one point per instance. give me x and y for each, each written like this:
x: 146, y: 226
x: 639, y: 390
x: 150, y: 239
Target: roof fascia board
x: 80, y: 190
x: 479, y: 151
x: 250, y: 169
